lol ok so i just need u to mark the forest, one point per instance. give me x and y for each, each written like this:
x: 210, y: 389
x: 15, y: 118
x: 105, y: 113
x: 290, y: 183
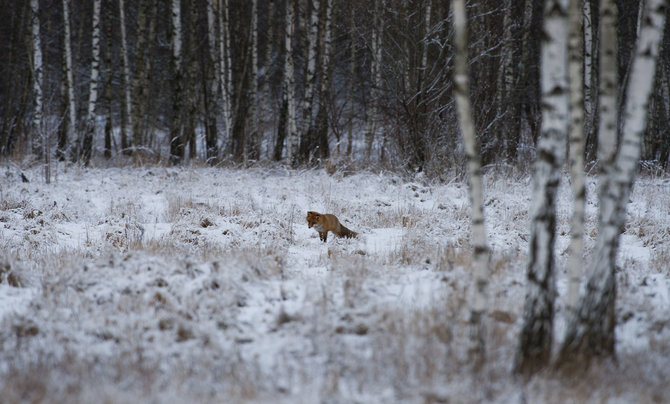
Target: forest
x: 498, y: 169
x: 248, y: 81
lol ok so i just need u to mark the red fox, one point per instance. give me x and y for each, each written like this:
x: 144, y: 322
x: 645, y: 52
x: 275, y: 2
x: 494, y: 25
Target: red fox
x: 325, y: 222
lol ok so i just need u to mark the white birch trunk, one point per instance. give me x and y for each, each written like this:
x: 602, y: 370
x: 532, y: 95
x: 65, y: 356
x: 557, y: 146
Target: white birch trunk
x: 69, y: 82
x: 480, y: 257
x: 89, y: 131
x: 126, y: 116
x: 322, y: 115
x: 255, y: 152
x: 39, y: 134
x: 225, y: 64
x: 176, y: 141
x: 375, y: 73
x: 534, y: 350
x: 590, y: 331
x: 576, y: 148
x: 310, y: 74
x: 289, y: 87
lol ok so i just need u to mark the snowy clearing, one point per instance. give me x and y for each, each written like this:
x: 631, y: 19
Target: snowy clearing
x: 198, y: 284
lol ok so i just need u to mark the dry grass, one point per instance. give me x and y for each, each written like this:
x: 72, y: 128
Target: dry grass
x: 202, y: 300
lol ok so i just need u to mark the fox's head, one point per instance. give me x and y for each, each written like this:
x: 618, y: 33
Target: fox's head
x: 312, y: 218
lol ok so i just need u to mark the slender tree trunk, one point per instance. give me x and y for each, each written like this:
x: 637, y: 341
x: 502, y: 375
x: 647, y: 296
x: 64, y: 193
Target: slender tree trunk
x: 107, y: 93
x: 508, y: 133
x: 590, y: 331
x: 591, y: 77
x: 534, y: 350
x: 268, y: 105
x: 141, y: 79
x: 480, y: 251
x: 324, y: 92
x: 529, y: 112
x: 226, y: 66
x: 308, y: 142
x: 211, y: 84
x: 352, y: 74
x: 39, y: 133
x: 176, y: 140
x: 89, y: 131
x: 375, y: 73
x: 576, y: 147
x: 190, y: 61
x: 126, y: 110
x: 289, y: 87
x: 254, y: 152
x: 70, y: 116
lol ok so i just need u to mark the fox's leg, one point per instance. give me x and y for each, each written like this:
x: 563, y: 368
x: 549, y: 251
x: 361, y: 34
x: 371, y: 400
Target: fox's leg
x: 323, y: 236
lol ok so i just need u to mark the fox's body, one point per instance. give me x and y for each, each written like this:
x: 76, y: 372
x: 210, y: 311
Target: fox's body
x: 325, y: 222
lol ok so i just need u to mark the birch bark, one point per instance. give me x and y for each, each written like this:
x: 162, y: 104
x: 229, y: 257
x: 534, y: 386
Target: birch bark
x: 590, y: 331
x: 480, y: 257
x: 534, y: 351
x: 225, y: 64
x: 39, y: 134
x: 70, y: 117
x: 126, y: 111
x: 375, y: 73
x: 176, y: 140
x: 289, y: 87
x: 255, y: 137
x: 89, y: 131
x: 307, y: 138
x: 576, y: 148
x: 322, y: 113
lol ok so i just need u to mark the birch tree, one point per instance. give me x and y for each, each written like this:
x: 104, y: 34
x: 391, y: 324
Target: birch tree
x: 307, y: 141
x: 69, y: 118
x: 126, y: 109
x: 210, y: 86
x: 176, y: 141
x: 289, y: 87
x: 39, y: 133
x: 576, y: 147
x: 590, y: 331
x: 321, y: 124
x: 225, y: 64
x: 89, y: 130
x: 480, y: 257
x: 534, y: 351
x: 375, y: 73
x: 255, y: 137
x: 190, y: 69
x: 107, y: 90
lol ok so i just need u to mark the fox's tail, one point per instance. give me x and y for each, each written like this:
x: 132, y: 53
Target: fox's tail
x: 347, y: 233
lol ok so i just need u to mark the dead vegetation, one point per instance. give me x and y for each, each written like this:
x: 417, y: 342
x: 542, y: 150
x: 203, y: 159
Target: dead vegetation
x: 221, y: 293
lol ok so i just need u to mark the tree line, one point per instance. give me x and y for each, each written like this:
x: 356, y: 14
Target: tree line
x: 293, y: 80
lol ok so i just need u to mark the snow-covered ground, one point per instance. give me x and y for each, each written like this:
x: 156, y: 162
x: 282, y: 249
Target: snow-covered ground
x: 205, y: 285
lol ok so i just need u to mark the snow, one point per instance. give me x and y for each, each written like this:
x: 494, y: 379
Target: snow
x: 200, y: 284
